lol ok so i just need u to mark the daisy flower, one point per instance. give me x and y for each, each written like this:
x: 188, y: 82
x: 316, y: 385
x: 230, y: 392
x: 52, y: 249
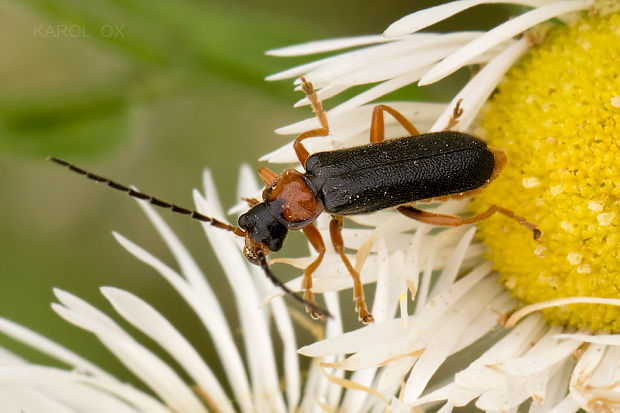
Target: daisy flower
x: 547, y: 90
x: 561, y: 360
x: 251, y: 369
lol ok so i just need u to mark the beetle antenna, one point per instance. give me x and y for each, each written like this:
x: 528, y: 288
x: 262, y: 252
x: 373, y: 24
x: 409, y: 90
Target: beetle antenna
x: 263, y: 263
x: 154, y: 201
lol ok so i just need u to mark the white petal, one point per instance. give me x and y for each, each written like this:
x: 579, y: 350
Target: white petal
x: 380, y: 343
x: 354, y: 400
x: 486, y: 321
x: 9, y: 359
x: 89, y: 314
x: 145, y: 318
x: 606, y: 339
x: 380, y: 307
x: 321, y: 46
x: 50, y: 348
x: 322, y: 94
x: 354, y: 340
x: 568, y: 405
x: 429, y: 16
x: 413, y: 111
x: 18, y: 400
x: 286, y: 153
x: 438, y: 243
x: 377, y: 62
x: 605, y: 376
x: 397, y: 66
x: 84, y: 398
x: 444, y: 340
x: 189, y: 268
x: 499, y: 34
x: 442, y: 393
x: 556, y: 389
x: 283, y: 323
x: 144, y: 364
x: 321, y: 76
x: 522, y: 312
x: 446, y: 408
x: 583, y: 371
x: 219, y: 332
x: 511, y: 392
x: 478, y: 89
x: 347, y: 125
x: 394, y: 372
x: 71, y: 387
x: 145, y: 402
x: 257, y: 340
x: 299, y: 70
x: 477, y: 378
x: 455, y: 261
x: 379, y: 90
x: 314, y: 390
x: 529, y: 365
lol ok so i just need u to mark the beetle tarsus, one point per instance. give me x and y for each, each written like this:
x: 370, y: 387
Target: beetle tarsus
x: 363, y: 314
x: 311, y: 306
x: 537, y: 234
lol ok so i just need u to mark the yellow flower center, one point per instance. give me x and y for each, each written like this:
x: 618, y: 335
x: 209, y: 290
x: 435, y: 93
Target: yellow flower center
x: 557, y: 116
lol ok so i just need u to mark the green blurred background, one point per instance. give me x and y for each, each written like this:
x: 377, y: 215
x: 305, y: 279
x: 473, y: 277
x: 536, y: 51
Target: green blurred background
x: 148, y: 93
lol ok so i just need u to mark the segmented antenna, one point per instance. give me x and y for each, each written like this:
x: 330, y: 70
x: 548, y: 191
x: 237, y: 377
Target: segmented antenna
x: 157, y: 202
x: 195, y: 215
x: 263, y: 263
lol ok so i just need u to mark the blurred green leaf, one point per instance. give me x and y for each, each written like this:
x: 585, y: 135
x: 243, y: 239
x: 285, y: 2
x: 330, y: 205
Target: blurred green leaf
x: 182, y: 35
x: 168, y: 48
x: 69, y: 125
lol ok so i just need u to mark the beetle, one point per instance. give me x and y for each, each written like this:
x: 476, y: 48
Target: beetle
x: 357, y: 180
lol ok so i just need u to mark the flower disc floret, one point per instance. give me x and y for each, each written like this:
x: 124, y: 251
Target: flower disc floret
x: 557, y: 115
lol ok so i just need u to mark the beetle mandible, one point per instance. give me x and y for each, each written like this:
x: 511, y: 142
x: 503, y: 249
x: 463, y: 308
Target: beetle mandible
x: 357, y: 180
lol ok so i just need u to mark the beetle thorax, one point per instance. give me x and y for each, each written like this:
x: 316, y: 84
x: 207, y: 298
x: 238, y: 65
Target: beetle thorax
x: 300, y: 204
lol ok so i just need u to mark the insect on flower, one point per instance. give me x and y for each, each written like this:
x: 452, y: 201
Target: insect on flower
x: 350, y: 181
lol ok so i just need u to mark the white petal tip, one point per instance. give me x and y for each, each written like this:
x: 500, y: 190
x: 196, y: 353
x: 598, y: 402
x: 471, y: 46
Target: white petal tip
x: 301, y: 102
x: 394, y: 32
x: 106, y: 290
x: 429, y: 79
x: 304, y: 351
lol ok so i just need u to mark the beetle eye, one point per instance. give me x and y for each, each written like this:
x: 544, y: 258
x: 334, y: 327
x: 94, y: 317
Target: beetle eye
x: 262, y: 227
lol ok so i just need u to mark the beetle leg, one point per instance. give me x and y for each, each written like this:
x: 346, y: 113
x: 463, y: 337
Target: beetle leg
x: 454, y: 221
x: 267, y: 175
x: 335, y: 232
x: 456, y: 114
x: 377, y: 127
x: 252, y: 202
x: 314, y: 236
x: 317, y: 107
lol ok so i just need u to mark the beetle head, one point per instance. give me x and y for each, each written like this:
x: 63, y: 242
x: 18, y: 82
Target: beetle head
x: 264, y: 233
